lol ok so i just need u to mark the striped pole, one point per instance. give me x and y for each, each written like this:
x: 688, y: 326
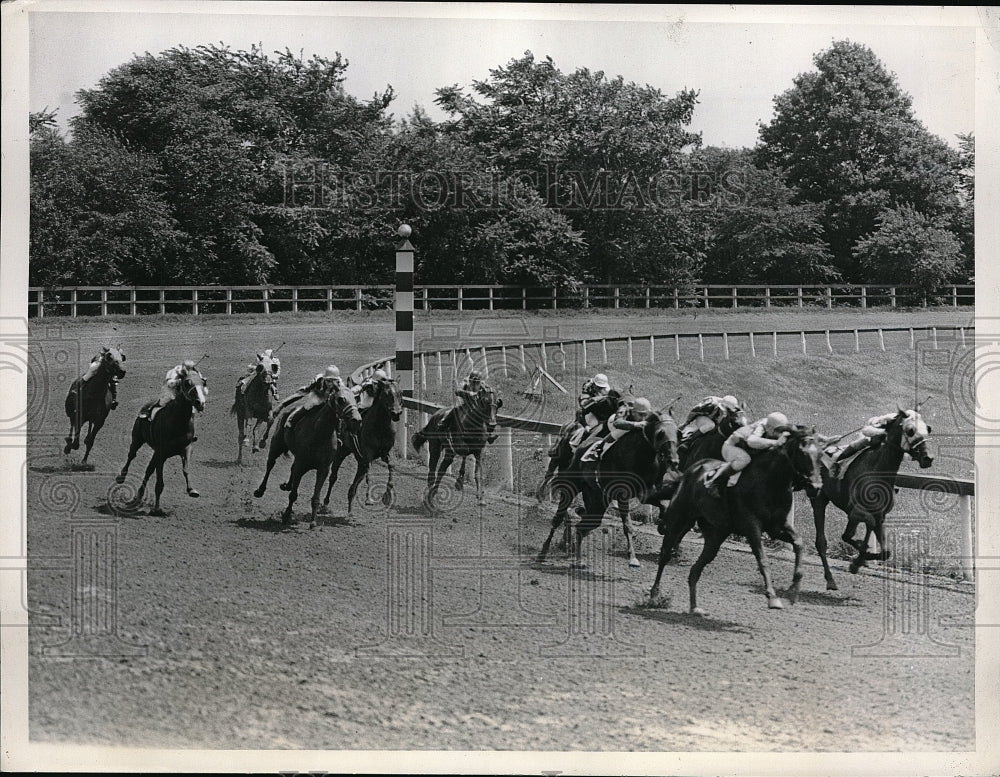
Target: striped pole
x: 404, y: 326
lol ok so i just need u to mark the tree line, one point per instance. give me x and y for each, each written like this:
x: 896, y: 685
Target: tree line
x: 207, y: 165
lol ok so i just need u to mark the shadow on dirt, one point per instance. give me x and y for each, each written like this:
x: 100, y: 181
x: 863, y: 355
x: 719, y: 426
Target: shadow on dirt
x: 825, y: 598
x: 686, y: 619
x: 218, y: 464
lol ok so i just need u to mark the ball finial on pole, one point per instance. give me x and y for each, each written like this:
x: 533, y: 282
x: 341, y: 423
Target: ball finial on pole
x: 404, y: 231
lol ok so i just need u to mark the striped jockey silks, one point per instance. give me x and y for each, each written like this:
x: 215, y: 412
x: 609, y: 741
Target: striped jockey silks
x: 404, y: 316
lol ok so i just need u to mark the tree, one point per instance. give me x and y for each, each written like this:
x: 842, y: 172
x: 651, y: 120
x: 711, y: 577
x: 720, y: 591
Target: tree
x: 907, y: 244
x: 592, y: 148
x: 845, y: 136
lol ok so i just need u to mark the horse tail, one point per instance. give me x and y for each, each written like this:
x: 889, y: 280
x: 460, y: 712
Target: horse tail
x: 232, y: 410
x: 418, y: 440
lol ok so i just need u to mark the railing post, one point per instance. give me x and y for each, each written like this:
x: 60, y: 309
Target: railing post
x: 425, y: 297
x: 357, y: 299
x: 881, y: 340
x: 554, y: 298
x: 194, y: 301
x: 864, y: 297
x: 753, y: 350
x: 41, y: 303
x: 707, y: 300
x: 767, y: 296
x: 774, y: 342
x: 583, y: 343
x: 229, y: 302
x: 163, y: 302
x: 725, y: 345
x: 586, y: 297
x: 267, y: 301
x: 803, y: 343
x: 295, y: 300
x: 104, y: 302
x: 677, y: 346
x: 604, y: 351
x: 677, y: 300
x: 968, y: 556
x: 72, y: 303
x: 131, y: 301
x: 892, y: 296
x: 800, y: 296
x: 507, y: 456
x: 629, y: 341
x: 460, y: 298
x: 617, y: 294
x: 491, y: 297
x: 524, y: 298
x: 829, y: 297
x: 647, y: 297
x: 329, y: 300
x: 954, y: 296
x: 736, y: 304
x: 652, y: 351
x: 701, y: 346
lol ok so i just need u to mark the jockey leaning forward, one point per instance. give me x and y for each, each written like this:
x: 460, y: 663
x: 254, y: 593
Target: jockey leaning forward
x: 709, y: 414
x: 745, y: 441
x: 175, y: 376
x: 313, y: 395
x: 269, y: 362
x: 470, y: 389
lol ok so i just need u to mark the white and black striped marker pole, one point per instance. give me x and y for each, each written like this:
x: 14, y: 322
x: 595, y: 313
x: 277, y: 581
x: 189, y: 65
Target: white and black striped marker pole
x: 404, y: 327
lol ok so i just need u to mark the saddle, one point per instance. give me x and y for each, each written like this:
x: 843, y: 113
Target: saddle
x: 841, y: 465
x: 731, y: 481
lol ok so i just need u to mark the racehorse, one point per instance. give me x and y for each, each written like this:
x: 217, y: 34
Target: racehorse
x: 865, y: 492
x: 561, y: 453
x: 633, y: 467
x: 168, y: 433
x: 472, y: 422
x: 254, y: 403
x: 91, y: 402
x: 374, y: 441
x: 759, y: 502
x: 709, y: 445
x: 313, y: 440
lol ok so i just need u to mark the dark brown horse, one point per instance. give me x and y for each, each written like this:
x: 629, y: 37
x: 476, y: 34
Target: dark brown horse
x: 253, y: 404
x: 374, y: 441
x: 471, y: 423
x: 632, y: 468
x: 313, y: 440
x: 90, y: 402
x: 169, y: 434
x: 561, y: 453
x: 760, y: 502
x: 866, y: 490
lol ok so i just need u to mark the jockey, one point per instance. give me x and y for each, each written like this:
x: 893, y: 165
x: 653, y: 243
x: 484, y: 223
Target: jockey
x: 95, y: 365
x: 632, y: 414
x: 469, y: 390
x: 265, y: 359
x: 872, y: 435
x: 174, y: 378
x: 594, y: 391
x: 746, y: 440
x: 315, y: 394
x: 708, y: 414
x: 364, y: 393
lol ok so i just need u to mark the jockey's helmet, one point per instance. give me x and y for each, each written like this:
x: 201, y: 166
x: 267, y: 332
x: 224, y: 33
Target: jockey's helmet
x: 774, y: 420
x: 642, y: 405
x: 731, y: 402
x: 188, y: 364
x: 380, y: 375
x: 331, y: 372
x: 475, y: 377
x: 601, y: 380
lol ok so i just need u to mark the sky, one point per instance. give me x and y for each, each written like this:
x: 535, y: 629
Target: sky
x: 738, y: 58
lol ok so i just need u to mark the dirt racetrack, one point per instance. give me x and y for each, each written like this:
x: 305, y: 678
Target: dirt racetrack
x: 392, y: 630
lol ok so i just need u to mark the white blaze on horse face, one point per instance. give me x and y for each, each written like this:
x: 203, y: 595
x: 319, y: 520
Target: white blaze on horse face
x: 201, y: 393
x: 815, y: 456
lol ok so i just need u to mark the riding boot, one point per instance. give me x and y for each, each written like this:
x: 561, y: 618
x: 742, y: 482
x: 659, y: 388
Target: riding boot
x: 712, y: 482
x: 847, y: 452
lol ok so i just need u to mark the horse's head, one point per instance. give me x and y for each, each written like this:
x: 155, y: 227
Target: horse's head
x: 268, y: 368
x: 911, y: 436
x: 485, y: 406
x: 111, y: 360
x: 805, y: 454
x: 343, y: 404
x: 663, y: 435
x: 194, y: 388
x: 390, y: 396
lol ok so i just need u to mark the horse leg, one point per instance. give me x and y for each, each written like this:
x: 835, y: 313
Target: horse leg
x: 565, y: 494
x: 883, y: 554
x: 242, y: 437
x: 590, y: 519
x: 158, y: 490
x: 855, y: 517
x: 713, y: 541
x: 322, y: 471
x: 819, y: 503
x: 353, y: 489
x: 757, y: 546
x: 73, y: 440
x: 272, y: 457
x: 543, y: 488
x: 132, y: 450
x: 460, y: 481
x: 789, y: 535
x: 623, y: 511
x: 263, y: 440
x: 184, y: 468
x: 298, y: 470
x: 389, y: 496
x: 93, y: 429
x: 338, y: 459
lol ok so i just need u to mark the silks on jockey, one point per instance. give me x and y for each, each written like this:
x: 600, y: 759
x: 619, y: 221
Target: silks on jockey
x: 174, y: 377
x: 872, y: 435
x: 631, y: 416
x: 313, y: 395
x: 708, y: 414
x: 593, y: 392
x: 743, y: 443
x: 364, y: 392
x: 472, y: 386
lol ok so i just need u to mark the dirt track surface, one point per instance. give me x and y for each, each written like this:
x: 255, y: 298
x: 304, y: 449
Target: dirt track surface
x: 395, y: 630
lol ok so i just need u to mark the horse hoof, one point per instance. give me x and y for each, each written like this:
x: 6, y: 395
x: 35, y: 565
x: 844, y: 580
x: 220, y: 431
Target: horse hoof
x: 458, y: 485
x: 699, y: 612
x: 369, y: 501
x: 634, y: 563
x: 259, y: 493
x: 120, y: 479
x: 66, y: 450
x: 158, y: 512
x: 388, y: 497
x: 481, y: 502
x: 775, y: 604
x: 540, y: 558
x: 284, y: 487
x: 831, y: 586
x: 193, y: 494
